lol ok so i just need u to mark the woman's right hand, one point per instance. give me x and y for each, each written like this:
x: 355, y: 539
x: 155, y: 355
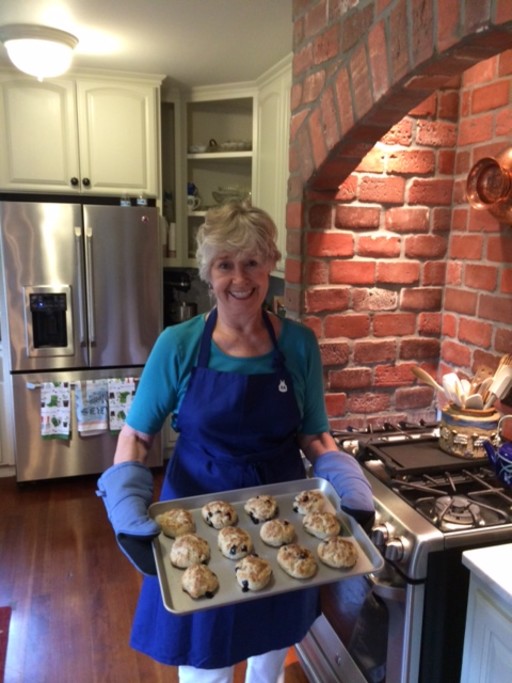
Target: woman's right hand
x: 127, y: 492
x: 132, y: 446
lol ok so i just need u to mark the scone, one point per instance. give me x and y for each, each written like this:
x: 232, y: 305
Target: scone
x: 189, y: 549
x: 337, y: 552
x: 277, y: 532
x: 321, y: 524
x: 253, y: 573
x: 297, y: 561
x: 176, y: 522
x: 234, y: 543
x: 260, y: 508
x: 307, y: 501
x: 219, y: 514
x: 199, y: 581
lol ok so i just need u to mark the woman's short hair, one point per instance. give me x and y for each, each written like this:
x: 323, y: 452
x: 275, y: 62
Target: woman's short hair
x: 236, y: 227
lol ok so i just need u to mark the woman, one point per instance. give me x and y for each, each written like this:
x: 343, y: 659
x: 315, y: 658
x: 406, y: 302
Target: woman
x: 245, y: 391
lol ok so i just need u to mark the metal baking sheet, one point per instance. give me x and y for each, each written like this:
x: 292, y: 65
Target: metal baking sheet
x: 179, y: 602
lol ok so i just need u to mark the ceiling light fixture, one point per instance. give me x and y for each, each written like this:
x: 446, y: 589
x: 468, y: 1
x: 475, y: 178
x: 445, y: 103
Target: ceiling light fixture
x: 40, y: 51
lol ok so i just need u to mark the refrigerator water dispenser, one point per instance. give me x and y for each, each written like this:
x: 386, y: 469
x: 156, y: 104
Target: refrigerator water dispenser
x: 48, y: 320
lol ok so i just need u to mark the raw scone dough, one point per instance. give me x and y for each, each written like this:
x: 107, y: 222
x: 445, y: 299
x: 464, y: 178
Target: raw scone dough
x: 176, y: 522
x: 277, y: 532
x: 337, y: 552
x: 297, y: 561
x: 261, y: 508
x: 253, y: 573
x: 199, y: 581
x: 189, y: 549
x: 321, y: 524
x: 234, y: 543
x: 307, y: 501
x: 219, y: 514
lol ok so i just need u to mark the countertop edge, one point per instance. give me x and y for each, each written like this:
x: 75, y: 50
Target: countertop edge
x: 493, y: 566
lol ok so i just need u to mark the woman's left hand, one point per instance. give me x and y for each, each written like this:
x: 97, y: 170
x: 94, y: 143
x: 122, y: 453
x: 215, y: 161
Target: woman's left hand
x: 345, y: 474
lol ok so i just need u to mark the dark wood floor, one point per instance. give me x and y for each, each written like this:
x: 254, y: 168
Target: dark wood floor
x: 72, y: 591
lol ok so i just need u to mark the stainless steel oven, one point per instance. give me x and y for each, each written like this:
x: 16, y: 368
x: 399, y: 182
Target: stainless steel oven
x: 406, y: 624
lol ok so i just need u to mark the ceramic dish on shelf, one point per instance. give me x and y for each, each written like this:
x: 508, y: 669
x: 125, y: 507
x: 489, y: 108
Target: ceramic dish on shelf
x: 229, y: 194
x: 197, y: 149
x: 235, y: 146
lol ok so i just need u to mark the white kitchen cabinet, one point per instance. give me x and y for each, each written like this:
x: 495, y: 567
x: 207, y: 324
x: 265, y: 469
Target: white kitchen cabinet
x: 80, y: 134
x: 488, y: 637
x: 38, y: 135
x: 222, y: 121
x: 169, y: 438
x: 221, y: 113
x: 271, y: 169
x: 257, y: 113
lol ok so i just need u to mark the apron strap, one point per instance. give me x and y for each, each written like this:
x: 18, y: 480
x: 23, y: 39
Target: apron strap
x: 204, y: 350
x: 278, y: 361
x: 206, y: 338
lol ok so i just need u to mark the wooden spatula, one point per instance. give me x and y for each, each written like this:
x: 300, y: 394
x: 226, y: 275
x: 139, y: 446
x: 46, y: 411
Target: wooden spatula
x: 501, y: 385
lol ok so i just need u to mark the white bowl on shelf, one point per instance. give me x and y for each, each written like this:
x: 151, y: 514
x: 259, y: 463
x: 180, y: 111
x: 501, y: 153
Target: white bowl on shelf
x: 197, y: 149
x: 229, y: 194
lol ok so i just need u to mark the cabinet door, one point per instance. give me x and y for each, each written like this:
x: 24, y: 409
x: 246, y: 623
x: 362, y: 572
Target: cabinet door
x: 488, y: 638
x: 118, y: 137
x: 271, y: 177
x: 38, y: 135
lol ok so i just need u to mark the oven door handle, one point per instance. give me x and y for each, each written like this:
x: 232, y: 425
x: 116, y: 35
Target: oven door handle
x: 386, y: 591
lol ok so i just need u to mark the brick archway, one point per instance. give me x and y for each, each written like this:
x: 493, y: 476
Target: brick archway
x: 359, y: 68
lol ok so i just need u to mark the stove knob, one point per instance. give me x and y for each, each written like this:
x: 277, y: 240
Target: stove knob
x: 380, y: 535
x: 395, y: 550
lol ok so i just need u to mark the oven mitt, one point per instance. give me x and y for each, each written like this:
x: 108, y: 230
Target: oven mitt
x: 344, y: 473
x: 127, y: 491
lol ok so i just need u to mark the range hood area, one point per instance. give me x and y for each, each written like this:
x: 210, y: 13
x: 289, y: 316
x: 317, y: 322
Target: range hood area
x: 393, y: 103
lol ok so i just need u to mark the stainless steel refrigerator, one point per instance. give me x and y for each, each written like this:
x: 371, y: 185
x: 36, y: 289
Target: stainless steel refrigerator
x: 81, y: 301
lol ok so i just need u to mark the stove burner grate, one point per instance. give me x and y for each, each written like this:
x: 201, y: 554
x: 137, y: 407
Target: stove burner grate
x: 451, y: 513
x: 454, y: 511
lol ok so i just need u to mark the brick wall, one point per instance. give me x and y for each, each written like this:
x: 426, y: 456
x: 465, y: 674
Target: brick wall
x: 392, y: 103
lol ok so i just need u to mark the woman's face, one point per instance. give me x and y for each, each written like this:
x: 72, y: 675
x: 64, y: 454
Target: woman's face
x: 239, y: 281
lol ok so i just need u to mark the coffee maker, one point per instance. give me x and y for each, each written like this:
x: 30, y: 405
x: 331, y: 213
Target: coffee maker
x: 176, y: 284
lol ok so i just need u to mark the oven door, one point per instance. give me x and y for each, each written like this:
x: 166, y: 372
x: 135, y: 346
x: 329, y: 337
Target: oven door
x: 363, y: 634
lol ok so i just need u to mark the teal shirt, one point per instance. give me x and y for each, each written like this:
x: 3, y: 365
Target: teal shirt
x: 165, y: 377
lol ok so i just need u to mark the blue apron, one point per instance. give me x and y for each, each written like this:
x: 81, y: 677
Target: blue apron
x: 235, y: 431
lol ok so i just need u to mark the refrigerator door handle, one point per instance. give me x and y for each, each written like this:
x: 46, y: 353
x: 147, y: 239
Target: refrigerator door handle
x: 90, y: 285
x: 81, y: 306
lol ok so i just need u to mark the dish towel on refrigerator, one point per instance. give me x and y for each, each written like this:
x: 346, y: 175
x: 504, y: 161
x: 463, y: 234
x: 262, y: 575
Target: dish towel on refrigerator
x: 120, y: 397
x: 91, y: 399
x: 55, y: 410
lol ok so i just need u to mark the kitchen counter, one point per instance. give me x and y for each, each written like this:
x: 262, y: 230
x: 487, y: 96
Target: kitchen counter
x: 494, y: 567
x: 488, y: 637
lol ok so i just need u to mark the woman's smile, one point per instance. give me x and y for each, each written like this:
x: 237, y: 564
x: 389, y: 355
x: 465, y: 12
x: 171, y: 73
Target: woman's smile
x: 241, y: 295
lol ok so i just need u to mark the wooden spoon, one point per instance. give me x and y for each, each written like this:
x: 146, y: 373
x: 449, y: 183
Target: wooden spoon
x: 424, y: 377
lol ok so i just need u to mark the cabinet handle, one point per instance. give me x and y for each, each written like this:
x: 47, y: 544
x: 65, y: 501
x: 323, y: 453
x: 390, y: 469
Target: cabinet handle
x: 74, y: 181
x: 86, y: 182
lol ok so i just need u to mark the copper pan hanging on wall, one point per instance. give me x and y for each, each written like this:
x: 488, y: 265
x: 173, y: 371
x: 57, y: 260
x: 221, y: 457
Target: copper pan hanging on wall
x: 489, y: 185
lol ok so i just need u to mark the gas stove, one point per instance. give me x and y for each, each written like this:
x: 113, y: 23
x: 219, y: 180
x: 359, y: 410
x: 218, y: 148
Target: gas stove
x: 406, y: 623
x: 427, y: 500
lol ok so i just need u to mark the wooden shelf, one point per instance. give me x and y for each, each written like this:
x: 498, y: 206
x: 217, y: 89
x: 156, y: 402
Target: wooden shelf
x: 245, y: 154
